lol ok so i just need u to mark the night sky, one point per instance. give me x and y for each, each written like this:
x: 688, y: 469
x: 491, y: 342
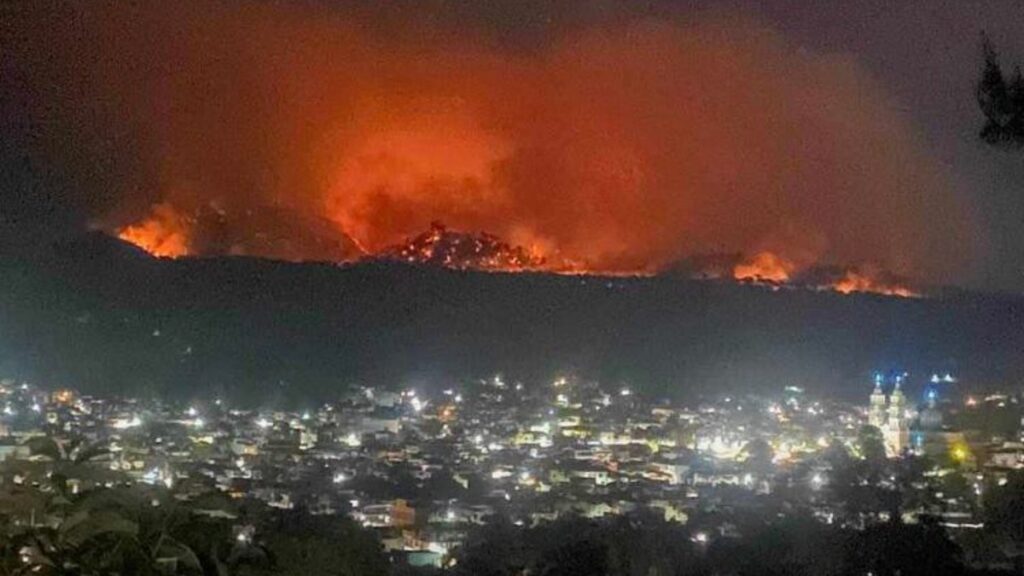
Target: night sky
x: 619, y: 136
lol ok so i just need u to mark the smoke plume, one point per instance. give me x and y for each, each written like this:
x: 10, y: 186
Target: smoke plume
x: 624, y: 145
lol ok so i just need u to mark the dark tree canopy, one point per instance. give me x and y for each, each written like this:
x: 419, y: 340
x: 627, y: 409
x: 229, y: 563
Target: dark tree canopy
x: 647, y: 546
x: 871, y: 444
x: 1001, y: 99
x: 1004, y: 514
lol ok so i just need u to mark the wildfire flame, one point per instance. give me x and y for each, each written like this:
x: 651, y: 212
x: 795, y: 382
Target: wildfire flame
x: 620, y: 146
x: 765, y: 267
x: 771, y: 268
x: 164, y: 233
x: 854, y: 281
x: 458, y: 250
x: 167, y: 233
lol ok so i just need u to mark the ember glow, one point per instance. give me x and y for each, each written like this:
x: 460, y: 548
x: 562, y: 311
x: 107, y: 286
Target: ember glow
x: 624, y: 148
x: 854, y: 281
x: 765, y: 267
x: 770, y: 268
x: 450, y: 249
x: 165, y: 233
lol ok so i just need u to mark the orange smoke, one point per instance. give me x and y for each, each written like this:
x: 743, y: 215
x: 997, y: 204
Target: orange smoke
x: 316, y: 132
x: 164, y: 233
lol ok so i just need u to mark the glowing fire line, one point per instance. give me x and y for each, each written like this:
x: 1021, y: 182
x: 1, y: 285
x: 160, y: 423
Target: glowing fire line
x: 166, y: 233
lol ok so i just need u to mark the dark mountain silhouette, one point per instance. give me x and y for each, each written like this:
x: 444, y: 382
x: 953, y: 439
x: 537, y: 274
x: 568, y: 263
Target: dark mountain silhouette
x: 272, y: 232
x: 97, y: 314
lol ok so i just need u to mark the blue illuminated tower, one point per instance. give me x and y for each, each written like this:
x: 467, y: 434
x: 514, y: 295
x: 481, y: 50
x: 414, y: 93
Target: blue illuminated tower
x: 876, y: 413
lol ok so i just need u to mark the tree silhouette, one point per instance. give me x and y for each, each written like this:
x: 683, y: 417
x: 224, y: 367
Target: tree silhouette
x: 897, y: 549
x: 871, y: 444
x: 106, y: 531
x: 759, y: 454
x: 1004, y: 516
x: 1001, y: 99
x: 873, y: 487
x: 67, y: 459
x: 298, y: 543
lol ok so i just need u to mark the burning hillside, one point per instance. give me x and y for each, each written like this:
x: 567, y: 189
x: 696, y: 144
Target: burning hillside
x: 624, y: 148
x: 443, y: 247
x: 263, y: 232
x: 773, y: 269
x: 165, y: 233
x: 765, y: 267
x: 861, y: 279
x: 169, y: 233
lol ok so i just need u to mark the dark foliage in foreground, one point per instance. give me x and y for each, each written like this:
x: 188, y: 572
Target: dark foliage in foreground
x: 146, y: 531
x: 645, y: 546
x: 130, y: 531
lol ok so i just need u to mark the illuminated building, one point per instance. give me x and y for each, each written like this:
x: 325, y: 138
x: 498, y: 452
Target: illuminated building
x: 396, y: 514
x: 897, y: 428
x: 931, y: 417
x: 889, y: 415
x: 932, y: 436
x: 876, y: 415
x: 64, y: 397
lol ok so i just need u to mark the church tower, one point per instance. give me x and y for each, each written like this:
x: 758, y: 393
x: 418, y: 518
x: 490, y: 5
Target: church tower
x: 897, y: 428
x: 876, y: 413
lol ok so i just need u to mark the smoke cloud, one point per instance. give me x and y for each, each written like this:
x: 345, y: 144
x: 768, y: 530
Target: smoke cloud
x: 623, y: 145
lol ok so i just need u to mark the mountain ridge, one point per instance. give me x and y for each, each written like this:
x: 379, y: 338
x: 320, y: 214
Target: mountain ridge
x: 103, y: 317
